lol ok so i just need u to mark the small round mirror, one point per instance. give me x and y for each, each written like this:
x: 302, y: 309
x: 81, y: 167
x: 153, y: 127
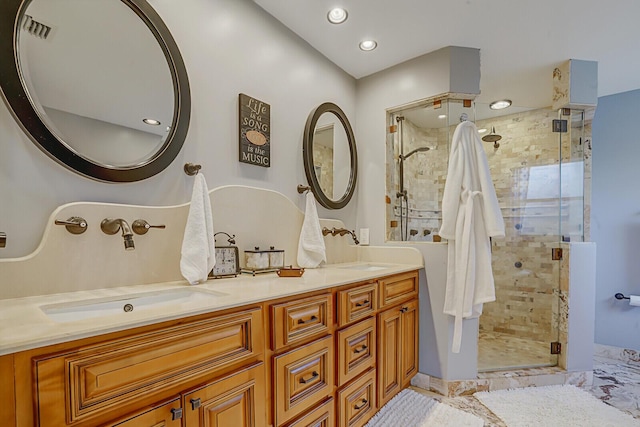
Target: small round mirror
x: 330, y: 156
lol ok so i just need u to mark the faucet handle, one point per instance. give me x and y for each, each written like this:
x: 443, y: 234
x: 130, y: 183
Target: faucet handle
x: 140, y: 226
x: 74, y: 225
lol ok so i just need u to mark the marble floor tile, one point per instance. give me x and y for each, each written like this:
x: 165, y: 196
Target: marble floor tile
x: 617, y: 384
x: 614, y: 382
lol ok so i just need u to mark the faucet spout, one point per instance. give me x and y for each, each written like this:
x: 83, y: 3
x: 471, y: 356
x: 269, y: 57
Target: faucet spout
x: 112, y: 226
x: 343, y: 231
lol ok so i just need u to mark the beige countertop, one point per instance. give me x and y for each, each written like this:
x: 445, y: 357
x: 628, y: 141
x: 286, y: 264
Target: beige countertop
x: 24, y: 325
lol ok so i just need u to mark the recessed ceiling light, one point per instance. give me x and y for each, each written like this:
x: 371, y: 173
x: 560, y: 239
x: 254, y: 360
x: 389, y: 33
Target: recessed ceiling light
x: 482, y: 130
x: 152, y: 122
x: 442, y: 116
x: 499, y: 105
x: 337, y: 15
x: 367, y: 45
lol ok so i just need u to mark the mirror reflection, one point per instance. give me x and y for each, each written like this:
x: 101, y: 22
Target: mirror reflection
x: 93, y: 85
x: 330, y: 156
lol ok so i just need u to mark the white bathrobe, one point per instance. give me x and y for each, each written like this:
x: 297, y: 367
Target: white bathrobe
x: 470, y: 216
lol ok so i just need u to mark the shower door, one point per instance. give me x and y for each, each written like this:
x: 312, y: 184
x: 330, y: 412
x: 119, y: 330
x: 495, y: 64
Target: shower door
x: 538, y: 177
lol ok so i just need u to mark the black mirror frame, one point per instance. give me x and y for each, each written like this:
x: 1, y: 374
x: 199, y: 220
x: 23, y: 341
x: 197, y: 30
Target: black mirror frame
x: 19, y: 104
x: 307, y: 156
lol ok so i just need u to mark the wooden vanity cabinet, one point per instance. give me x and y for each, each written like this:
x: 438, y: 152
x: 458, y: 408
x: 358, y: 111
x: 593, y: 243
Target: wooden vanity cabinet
x: 322, y: 359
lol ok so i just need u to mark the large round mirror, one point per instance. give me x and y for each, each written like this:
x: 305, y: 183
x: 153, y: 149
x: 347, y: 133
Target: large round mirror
x: 100, y: 85
x: 330, y: 156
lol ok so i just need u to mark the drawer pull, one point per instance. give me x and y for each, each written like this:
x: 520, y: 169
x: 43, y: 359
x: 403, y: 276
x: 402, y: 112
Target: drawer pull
x: 309, y: 320
x: 360, y: 349
x: 313, y: 376
x: 361, y: 405
x: 195, y: 403
x: 404, y: 309
x: 363, y: 303
x: 176, y: 413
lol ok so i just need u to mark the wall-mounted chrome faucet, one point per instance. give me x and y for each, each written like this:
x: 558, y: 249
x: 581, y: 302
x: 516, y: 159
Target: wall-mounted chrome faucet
x: 340, y: 231
x: 112, y: 226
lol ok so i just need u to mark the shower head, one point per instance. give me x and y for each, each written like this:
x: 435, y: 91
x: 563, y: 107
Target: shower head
x: 492, y: 137
x: 411, y: 153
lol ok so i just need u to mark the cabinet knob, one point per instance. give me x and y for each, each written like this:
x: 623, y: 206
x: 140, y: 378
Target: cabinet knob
x: 404, y: 309
x: 195, y: 403
x: 176, y: 413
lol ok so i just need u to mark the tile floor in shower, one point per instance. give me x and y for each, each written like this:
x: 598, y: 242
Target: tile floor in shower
x: 498, y: 351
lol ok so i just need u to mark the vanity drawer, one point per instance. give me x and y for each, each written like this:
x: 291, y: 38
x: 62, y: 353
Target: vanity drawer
x: 398, y: 288
x: 301, y: 320
x: 356, y: 350
x: 302, y: 377
x: 323, y: 416
x: 356, y: 402
x: 356, y: 303
x: 97, y: 380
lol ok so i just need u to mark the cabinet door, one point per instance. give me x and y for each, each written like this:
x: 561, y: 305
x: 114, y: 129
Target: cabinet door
x: 397, y: 349
x: 164, y: 415
x: 389, y: 346
x: 409, y: 346
x: 235, y: 400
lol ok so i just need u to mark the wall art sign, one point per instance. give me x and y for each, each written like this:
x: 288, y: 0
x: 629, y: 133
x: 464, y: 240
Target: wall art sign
x: 255, y: 126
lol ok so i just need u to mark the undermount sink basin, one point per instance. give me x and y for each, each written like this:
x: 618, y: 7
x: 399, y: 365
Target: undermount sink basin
x: 125, y: 304
x: 364, y: 267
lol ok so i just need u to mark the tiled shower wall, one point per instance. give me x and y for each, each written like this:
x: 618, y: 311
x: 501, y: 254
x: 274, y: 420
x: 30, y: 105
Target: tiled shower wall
x: 323, y: 164
x: 424, y: 177
x: 526, y: 176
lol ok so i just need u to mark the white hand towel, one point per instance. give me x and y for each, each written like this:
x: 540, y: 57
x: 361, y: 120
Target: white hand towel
x: 311, y: 249
x: 198, y: 250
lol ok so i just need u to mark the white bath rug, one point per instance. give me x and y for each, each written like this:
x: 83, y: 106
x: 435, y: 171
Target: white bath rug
x: 412, y: 409
x: 558, y: 405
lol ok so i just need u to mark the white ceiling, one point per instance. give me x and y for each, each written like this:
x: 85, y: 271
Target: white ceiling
x: 520, y: 41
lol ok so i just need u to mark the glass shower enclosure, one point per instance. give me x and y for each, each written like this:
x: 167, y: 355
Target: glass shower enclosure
x: 538, y: 175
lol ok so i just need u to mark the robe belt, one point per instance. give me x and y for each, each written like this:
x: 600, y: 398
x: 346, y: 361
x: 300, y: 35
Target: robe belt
x: 468, y: 199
